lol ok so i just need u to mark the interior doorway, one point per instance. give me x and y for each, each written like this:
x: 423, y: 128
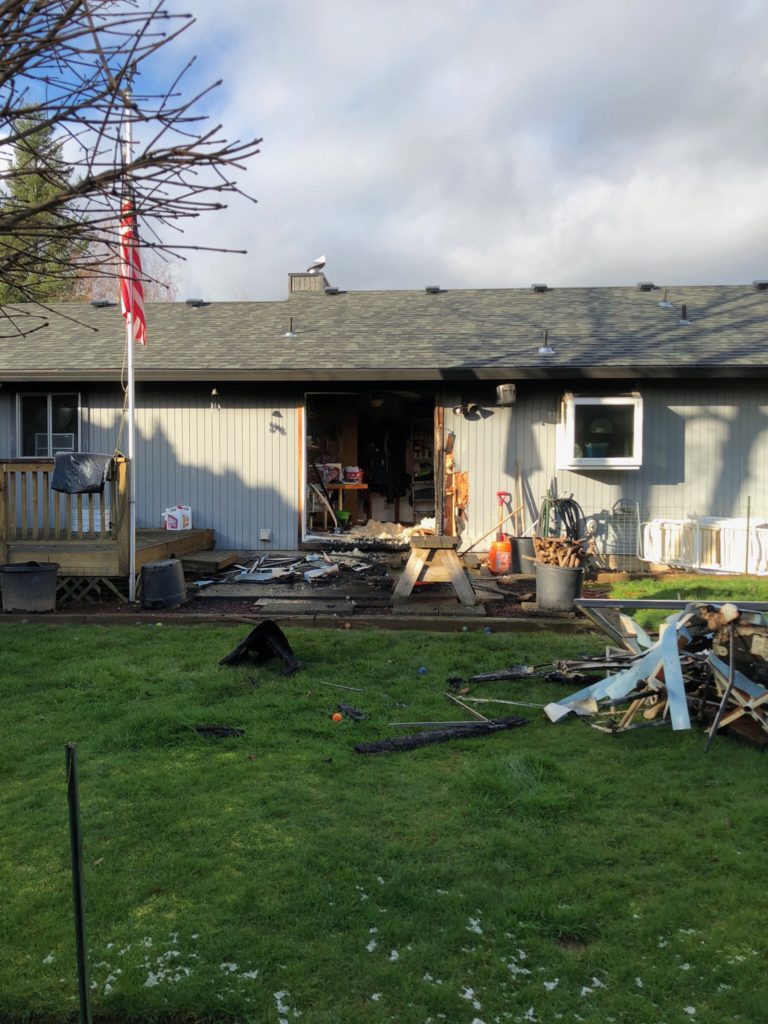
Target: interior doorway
x: 369, y: 459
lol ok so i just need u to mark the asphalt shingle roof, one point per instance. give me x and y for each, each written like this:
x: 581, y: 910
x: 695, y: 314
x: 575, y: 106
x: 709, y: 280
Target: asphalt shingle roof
x: 407, y: 334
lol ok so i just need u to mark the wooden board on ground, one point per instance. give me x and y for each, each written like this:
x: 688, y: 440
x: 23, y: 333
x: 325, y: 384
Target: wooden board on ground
x: 275, y: 592
x: 206, y: 563
x: 274, y: 609
x: 447, y: 607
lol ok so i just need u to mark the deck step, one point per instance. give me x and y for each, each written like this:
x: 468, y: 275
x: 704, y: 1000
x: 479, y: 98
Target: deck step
x: 208, y: 563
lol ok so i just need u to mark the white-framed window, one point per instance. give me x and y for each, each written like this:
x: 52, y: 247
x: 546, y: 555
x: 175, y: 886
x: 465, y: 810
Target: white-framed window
x: 601, y: 432
x: 48, y: 423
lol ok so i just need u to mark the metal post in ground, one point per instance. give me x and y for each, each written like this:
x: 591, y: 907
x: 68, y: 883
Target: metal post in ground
x: 76, y: 847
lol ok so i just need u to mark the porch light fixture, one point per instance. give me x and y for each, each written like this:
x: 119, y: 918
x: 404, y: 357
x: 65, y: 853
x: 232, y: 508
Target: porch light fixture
x: 506, y: 394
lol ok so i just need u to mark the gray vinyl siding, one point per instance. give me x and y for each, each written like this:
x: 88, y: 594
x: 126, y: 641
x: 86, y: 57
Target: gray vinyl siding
x: 236, y: 466
x: 705, y: 452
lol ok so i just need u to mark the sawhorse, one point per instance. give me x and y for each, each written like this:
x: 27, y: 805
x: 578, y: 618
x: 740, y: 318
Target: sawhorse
x: 427, y: 555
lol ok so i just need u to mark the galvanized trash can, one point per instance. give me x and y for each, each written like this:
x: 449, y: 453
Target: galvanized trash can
x: 162, y: 584
x: 557, y: 587
x: 29, y: 586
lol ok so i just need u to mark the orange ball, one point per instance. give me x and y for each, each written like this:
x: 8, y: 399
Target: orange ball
x: 337, y: 716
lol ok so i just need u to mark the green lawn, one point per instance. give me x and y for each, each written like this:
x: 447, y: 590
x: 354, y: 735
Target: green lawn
x: 548, y: 873
x: 688, y: 587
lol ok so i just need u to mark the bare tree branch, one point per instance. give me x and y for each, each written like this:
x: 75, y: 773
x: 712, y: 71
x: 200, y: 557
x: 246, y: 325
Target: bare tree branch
x: 70, y: 66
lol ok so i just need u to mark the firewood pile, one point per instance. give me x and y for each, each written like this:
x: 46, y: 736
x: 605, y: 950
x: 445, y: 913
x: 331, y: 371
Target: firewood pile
x: 568, y: 554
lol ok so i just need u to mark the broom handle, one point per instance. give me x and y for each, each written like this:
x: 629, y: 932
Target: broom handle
x: 493, y: 529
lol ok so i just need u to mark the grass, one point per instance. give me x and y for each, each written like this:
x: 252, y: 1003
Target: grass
x: 688, y: 586
x: 545, y: 873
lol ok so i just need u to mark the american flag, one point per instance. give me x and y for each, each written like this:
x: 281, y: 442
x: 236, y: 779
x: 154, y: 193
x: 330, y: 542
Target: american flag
x: 131, y: 289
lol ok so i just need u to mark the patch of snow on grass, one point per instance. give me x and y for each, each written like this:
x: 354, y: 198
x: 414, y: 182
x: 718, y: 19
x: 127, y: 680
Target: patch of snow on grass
x: 48, y: 959
x: 469, y: 995
x: 393, y: 956
x: 474, y: 926
x: 550, y: 986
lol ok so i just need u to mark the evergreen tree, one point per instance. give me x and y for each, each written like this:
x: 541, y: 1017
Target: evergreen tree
x: 40, y: 259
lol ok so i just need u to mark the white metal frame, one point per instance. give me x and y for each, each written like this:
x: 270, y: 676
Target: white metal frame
x: 566, y: 441
x: 49, y: 396
x: 707, y: 544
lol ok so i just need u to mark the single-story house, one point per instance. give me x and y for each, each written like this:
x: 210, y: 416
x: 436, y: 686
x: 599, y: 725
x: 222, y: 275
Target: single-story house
x: 643, y: 405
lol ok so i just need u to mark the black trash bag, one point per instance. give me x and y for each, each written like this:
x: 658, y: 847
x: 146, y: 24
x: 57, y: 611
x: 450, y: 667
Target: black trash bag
x: 80, y: 473
x: 423, y: 739
x: 264, y: 642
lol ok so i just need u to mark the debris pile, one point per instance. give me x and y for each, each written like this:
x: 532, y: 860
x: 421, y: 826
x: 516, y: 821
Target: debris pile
x: 310, y: 568
x: 705, y: 666
x: 393, y: 533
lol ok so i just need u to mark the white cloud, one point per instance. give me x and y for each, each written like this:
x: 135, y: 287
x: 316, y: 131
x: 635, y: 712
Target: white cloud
x: 488, y: 145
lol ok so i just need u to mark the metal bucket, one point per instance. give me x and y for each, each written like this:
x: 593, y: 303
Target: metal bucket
x: 557, y: 587
x: 522, y: 547
x: 162, y: 584
x: 29, y: 586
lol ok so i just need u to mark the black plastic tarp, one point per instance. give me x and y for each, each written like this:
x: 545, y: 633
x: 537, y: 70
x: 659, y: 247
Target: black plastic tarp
x: 80, y: 472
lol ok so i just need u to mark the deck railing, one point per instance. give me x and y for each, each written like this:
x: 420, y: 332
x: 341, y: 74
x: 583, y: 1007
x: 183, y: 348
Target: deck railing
x: 31, y: 511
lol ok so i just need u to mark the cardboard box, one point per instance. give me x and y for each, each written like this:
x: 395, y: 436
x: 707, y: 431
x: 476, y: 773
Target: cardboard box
x: 330, y: 472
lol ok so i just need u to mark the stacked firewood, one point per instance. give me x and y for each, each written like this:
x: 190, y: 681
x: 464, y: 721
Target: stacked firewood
x: 568, y: 554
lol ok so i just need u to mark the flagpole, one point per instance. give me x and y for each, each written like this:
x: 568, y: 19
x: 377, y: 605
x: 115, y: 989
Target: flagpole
x: 131, y: 388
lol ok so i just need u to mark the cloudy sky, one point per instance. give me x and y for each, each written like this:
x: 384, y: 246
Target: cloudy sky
x: 488, y: 143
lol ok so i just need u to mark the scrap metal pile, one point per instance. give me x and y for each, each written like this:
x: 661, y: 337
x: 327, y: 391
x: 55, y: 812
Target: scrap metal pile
x: 709, y: 664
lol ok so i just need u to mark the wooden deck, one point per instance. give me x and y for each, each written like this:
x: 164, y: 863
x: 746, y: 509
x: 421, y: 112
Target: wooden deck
x: 86, y: 534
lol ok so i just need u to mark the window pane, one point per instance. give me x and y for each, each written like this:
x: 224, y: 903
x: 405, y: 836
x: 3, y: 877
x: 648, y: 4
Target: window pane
x: 34, y: 426
x: 64, y: 421
x: 604, y: 431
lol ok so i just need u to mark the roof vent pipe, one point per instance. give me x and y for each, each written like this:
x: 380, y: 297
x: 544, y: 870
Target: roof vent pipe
x: 665, y: 303
x: 545, y: 349
x: 684, y: 321
x: 290, y: 333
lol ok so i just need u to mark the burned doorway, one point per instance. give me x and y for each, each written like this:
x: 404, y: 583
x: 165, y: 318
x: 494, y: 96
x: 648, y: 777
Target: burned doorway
x: 369, y: 460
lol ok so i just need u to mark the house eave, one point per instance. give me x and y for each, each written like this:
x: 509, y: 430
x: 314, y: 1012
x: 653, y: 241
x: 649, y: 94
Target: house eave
x: 376, y: 374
